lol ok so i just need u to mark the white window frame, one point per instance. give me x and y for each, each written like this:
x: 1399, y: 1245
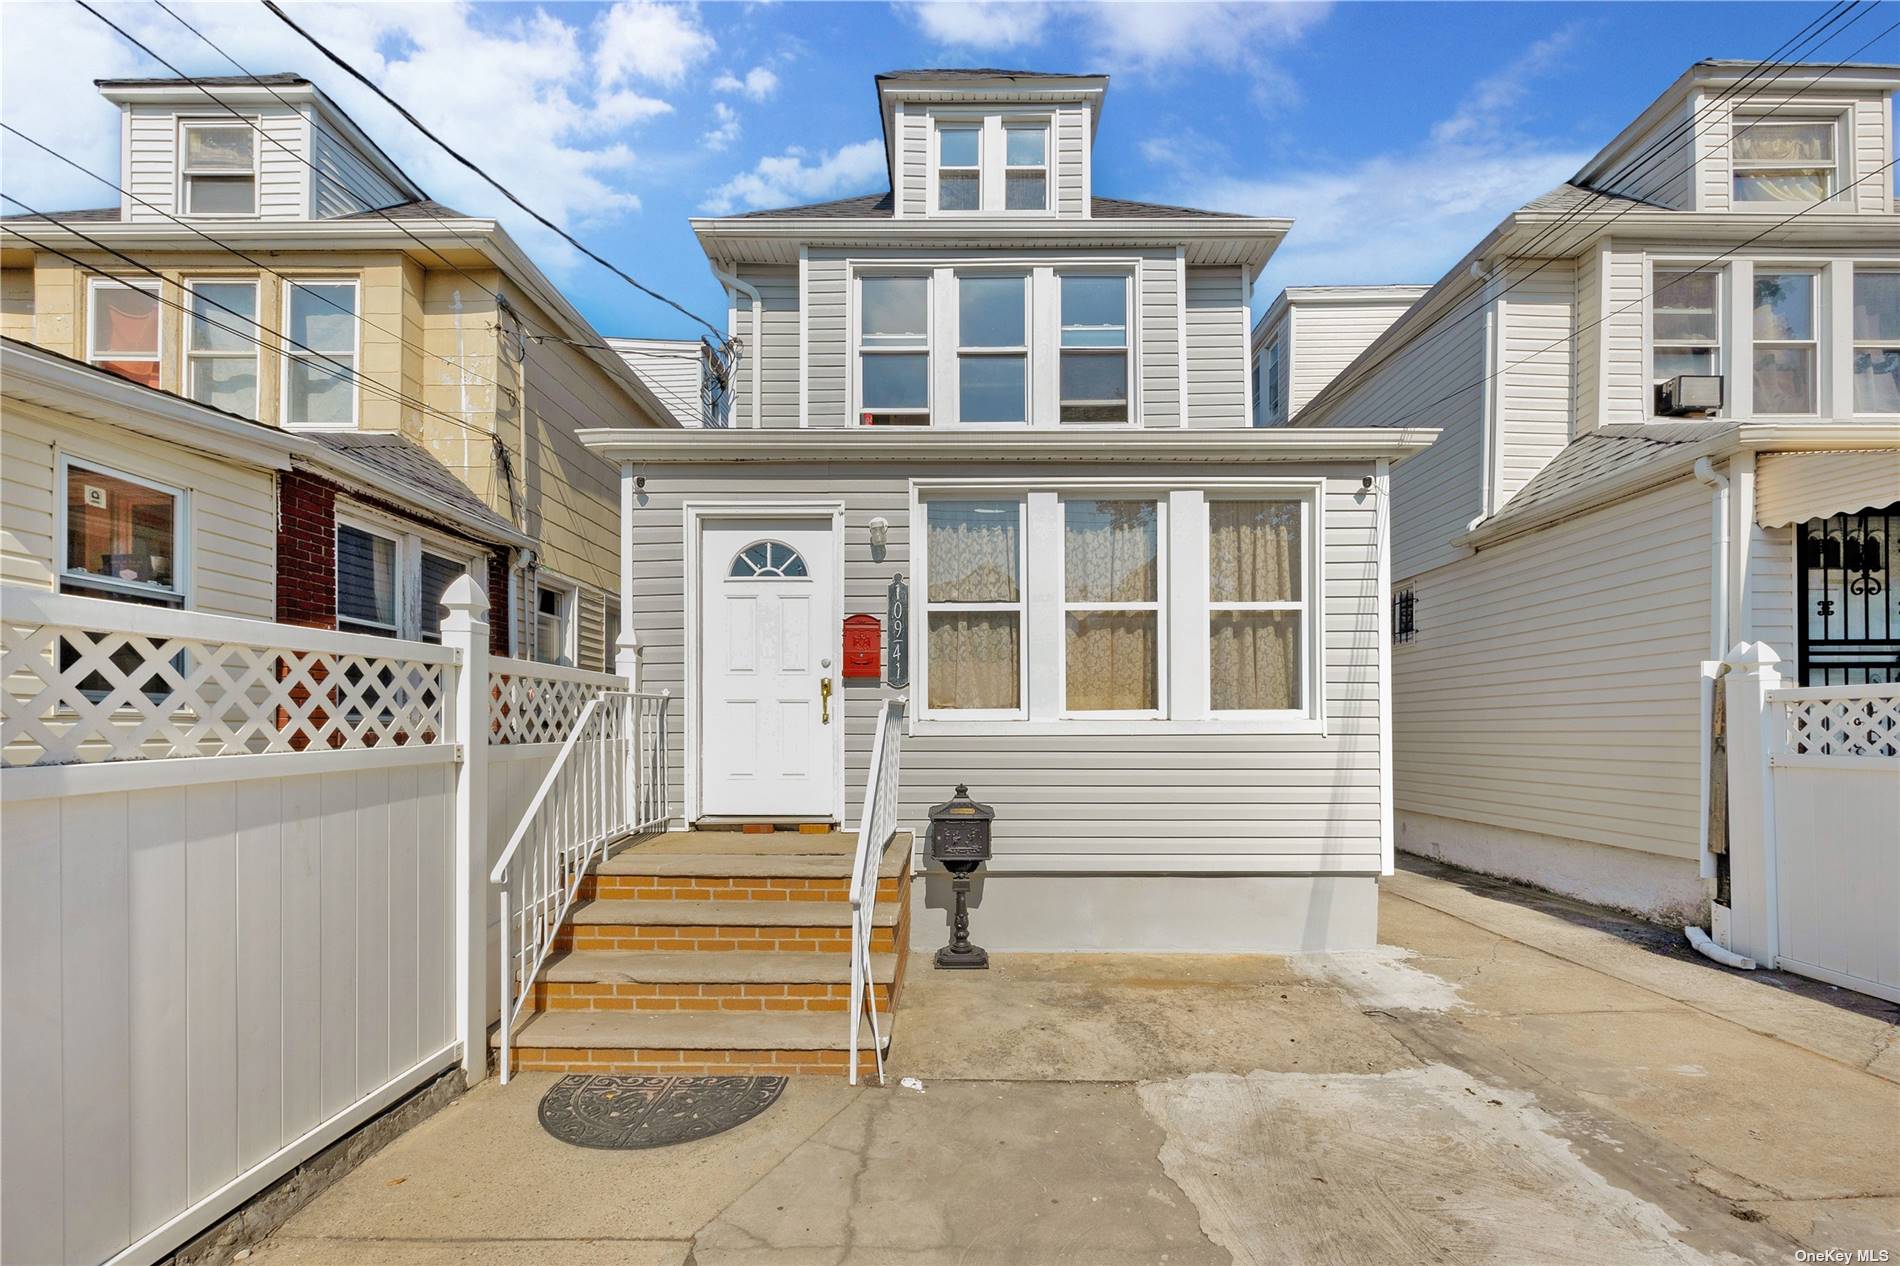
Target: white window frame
x: 1022, y: 352
x: 291, y: 354
x: 570, y: 591
x: 154, y: 288
x: 185, y: 174
x: 256, y: 353
x: 992, y: 167
x: 1817, y: 319
x: 929, y: 412
x: 1756, y: 120
x: 377, y: 527
x: 179, y: 595
x: 1725, y: 358
x: 938, y: 166
x: 923, y: 607
x: 1267, y: 389
x: 1043, y: 125
x: 1127, y: 349
x: 1160, y: 606
x: 1856, y: 344
x: 411, y: 540
x: 1302, y: 605
x: 1187, y: 698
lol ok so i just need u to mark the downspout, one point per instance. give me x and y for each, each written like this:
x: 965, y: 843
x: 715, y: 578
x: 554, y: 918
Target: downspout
x: 733, y: 281
x: 1718, y: 485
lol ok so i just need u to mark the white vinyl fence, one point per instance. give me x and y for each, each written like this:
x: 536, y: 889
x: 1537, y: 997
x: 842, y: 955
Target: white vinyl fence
x: 243, y: 897
x: 1814, y: 825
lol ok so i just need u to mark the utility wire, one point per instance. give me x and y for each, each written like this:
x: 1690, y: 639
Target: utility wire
x: 472, y: 166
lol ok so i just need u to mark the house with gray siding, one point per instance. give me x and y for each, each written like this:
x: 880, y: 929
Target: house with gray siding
x: 1588, y: 541
x: 1309, y: 333
x: 990, y: 453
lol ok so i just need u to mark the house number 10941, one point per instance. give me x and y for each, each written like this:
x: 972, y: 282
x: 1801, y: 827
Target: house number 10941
x: 897, y: 626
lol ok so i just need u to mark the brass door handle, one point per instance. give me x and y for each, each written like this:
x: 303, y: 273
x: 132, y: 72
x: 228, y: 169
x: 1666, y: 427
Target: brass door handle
x: 824, y: 700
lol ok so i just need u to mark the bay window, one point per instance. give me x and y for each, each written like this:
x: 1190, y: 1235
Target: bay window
x: 1783, y: 160
x: 993, y: 348
x: 1786, y: 352
x: 1025, y: 167
x: 1685, y: 323
x: 221, y: 345
x: 1111, y: 606
x: 894, y: 349
x: 960, y: 167
x: 218, y: 168
x: 1094, y: 347
x: 1256, y: 610
x: 1876, y: 341
x: 122, y: 329
x: 320, y: 354
x: 973, y: 606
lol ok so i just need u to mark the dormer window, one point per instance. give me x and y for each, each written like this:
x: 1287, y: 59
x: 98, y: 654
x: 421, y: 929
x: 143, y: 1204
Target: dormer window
x: 960, y: 168
x: 218, y: 164
x: 1026, y: 170
x: 1783, y: 160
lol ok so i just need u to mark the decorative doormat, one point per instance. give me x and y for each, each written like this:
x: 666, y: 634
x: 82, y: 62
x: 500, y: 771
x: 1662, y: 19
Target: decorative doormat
x: 639, y: 1112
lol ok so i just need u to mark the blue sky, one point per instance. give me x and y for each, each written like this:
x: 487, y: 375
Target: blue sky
x: 1394, y: 134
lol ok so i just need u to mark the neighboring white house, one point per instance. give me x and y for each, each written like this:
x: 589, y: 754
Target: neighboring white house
x: 1309, y: 333
x: 990, y: 450
x: 680, y: 373
x: 1572, y: 558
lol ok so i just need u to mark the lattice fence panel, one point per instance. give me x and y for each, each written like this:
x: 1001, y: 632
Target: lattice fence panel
x: 525, y: 707
x: 1844, y: 727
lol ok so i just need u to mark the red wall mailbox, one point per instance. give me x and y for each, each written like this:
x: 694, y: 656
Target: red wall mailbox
x: 861, y: 647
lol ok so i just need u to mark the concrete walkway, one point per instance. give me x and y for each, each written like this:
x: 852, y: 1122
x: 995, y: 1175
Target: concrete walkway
x: 1513, y: 1079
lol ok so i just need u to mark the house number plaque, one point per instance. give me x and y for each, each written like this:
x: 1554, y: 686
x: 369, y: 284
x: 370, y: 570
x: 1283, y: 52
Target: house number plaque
x: 897, y: 623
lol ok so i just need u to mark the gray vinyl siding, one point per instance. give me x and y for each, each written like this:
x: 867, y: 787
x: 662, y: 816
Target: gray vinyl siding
x: 828, y: 351
x: 1873, y: 145
x: 1537, y: 318
x: 347, y: 184
x: 1325, y: 338
x: 1772, y: 617
x: 1625, y: 375
x: 1587, y: 346
x: 1553, y: 686
x: 151, y: 159
x: 1071, y: 144
x: 739, y: 322
x: 1270, y: 803
x: 1665, y: 177
x: 777, y: 346
x: 1217, y: 348
x: 1159, y: 353
x: 913, y: 160
x: 1870, y: 144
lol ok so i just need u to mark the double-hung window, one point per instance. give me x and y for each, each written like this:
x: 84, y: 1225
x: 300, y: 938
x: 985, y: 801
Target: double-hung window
x: 894, y: 349
x: 973, y: 607
x: 960, y: 167
x: 1783, y: 160
x: 368, y: 579
x: 1685, y: 330
x: 1025, y: 167
x: 1256, y: 604
x: 218, y: 168
x: 320, y: 354
x: 123, y: 329
x: 221, y: 345
x: 992, y: 347
x: 1266, y: 404
x: 1094, y: 347
x: 1786, y: 353
x: 1876, y: 341
x: 554, y: 621
x: 1112, y: 636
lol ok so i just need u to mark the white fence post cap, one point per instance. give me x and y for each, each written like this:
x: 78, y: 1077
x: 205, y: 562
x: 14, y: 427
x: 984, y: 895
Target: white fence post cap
x: 1752, y: 655
x: 465, y: 593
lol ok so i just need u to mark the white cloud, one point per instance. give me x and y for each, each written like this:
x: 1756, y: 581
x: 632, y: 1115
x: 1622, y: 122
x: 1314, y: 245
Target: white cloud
x: 759, y: 83
x: 1488, y: 105
x: 641, y: 39
x: 982, y: 24
x: 725, y: 129
x: 794, y: 177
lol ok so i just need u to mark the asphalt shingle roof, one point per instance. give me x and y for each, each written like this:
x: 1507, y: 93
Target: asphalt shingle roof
x: 86, y: 215
x: 980, y: 72
x: 407, y: 463
x: 877, y: 206
x: 277, y: 79
x: 1602, y: 455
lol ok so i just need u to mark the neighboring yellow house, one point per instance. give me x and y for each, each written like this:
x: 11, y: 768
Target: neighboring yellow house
x: 305, y: 282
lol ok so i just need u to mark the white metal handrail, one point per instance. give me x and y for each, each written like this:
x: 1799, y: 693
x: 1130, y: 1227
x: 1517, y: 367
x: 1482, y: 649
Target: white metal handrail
x: 877, y: 823
x: 608, y: 780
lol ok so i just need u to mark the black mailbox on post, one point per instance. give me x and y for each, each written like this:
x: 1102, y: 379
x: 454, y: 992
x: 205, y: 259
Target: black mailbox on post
x: 960, y: 842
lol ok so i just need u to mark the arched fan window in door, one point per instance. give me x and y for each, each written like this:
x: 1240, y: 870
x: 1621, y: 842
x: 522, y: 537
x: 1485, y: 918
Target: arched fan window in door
x: 767, y: 560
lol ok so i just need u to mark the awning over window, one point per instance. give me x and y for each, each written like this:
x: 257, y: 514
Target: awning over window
x: 1796, y: 487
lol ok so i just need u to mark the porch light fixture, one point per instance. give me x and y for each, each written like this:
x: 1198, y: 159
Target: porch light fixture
x: 880, y: 532
x: 960, y: 842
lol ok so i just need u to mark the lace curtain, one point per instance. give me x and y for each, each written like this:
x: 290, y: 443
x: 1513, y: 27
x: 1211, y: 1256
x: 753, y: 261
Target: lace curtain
x: 1111, y: 554
x: 975, y: 551
x: 1254, y: 552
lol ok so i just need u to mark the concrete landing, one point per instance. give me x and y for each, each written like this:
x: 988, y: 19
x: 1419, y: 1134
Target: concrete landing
x: 701, y: 1031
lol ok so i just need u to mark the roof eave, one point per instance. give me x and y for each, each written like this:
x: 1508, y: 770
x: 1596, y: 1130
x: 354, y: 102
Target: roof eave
x: 371, y: 482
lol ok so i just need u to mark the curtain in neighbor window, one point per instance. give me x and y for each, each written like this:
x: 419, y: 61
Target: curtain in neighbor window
x: 975, y: 549
x: 1256, y: 660
x: 1111, y: 552
x: 1254, y: 551
x: 1253, y: 558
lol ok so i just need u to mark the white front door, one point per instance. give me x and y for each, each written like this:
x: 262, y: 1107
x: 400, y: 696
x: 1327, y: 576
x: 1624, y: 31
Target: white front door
x: 767, y: 654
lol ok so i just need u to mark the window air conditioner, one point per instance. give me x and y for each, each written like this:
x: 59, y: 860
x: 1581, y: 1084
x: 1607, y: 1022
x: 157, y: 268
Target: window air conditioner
x: 1689, y: 396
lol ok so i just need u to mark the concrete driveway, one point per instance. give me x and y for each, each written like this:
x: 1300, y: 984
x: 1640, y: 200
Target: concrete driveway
x: 1514, y: 1079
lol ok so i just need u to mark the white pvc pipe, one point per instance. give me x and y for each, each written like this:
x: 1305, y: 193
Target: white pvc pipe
x: 1709, y: 949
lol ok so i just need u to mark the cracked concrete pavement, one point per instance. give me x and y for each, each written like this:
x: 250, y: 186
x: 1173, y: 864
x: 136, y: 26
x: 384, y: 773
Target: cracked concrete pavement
x: 1513, y: 1078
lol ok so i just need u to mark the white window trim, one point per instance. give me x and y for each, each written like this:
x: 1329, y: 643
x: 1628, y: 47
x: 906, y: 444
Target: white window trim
x: 1840, y: 178
x: 185, y: 174
x: 1023, y: 352
x: 992, y: 158
x: 404, y: 587
x: 1186, y: 701
x: 1308, y: 660
x: 411, y: 540
x: 1129, y: 303
x: 938, y: 166
x: 1856, y: 344
x: 256, y: 353
x: 291, y: 354
x: 1160, y: 607
x: 923, y: 607
x: 1047, y: 167
x: 1817, y: 325
x: 1272, y: 371
x: 179, y: 595
x: 858, y: 350
x: 570, y: 591
x: 154, y: 288
x: 1725, y: 351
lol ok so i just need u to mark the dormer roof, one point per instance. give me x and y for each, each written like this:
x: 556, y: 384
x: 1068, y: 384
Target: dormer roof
x: 976, y: 84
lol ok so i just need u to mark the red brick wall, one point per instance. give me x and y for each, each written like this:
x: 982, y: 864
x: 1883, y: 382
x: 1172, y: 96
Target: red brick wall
x: 306, y: 557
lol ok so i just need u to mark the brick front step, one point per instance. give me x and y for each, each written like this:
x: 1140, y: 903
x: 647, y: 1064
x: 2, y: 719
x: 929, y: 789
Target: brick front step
x: 686, y: 1044
x: 722, y: 926
x: 596, y: 995
x: 613, y: 887
x: 669, y: 1063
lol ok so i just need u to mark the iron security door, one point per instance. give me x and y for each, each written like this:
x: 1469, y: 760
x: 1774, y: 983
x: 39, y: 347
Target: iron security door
x: 768, y: 668
x: 1850, y: 613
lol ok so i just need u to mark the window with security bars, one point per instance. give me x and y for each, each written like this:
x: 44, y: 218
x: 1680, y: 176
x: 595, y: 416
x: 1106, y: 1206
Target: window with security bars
x: 1850, y: 614
x: 1404, y: 616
